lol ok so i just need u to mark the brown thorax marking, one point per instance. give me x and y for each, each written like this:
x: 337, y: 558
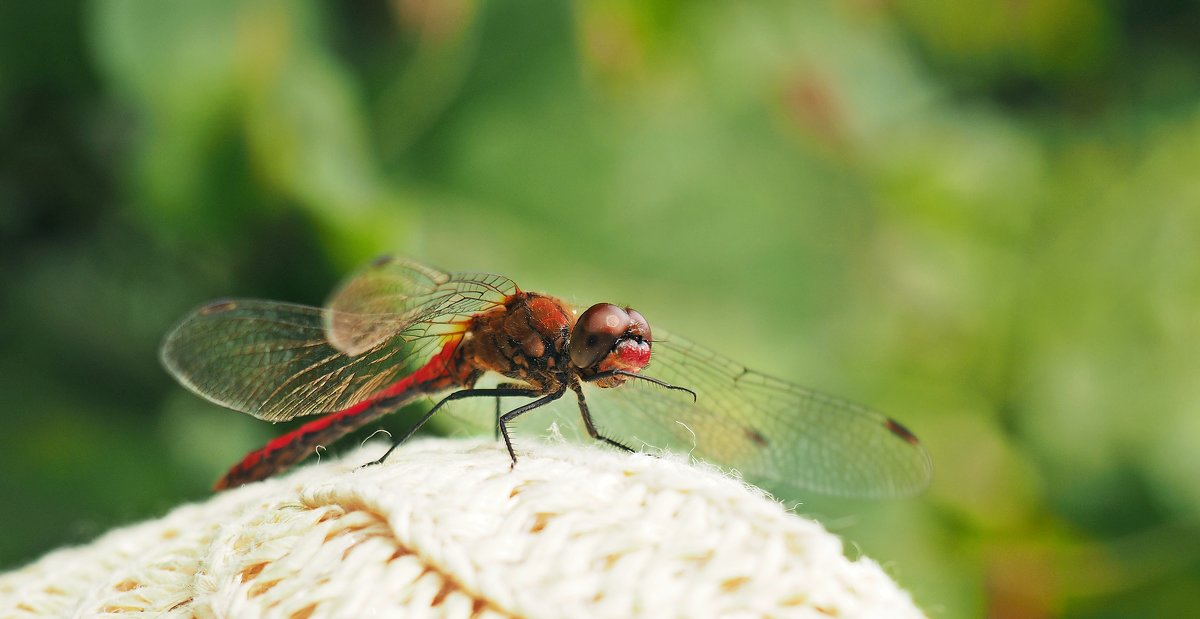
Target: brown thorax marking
x: 526, y: 339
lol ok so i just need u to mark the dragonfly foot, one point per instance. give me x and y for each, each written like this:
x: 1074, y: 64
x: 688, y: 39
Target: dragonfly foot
x: 372, y: 463
x: 617, y: 444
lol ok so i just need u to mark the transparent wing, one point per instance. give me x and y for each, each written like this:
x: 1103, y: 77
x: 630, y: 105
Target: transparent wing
x: 391, y: 294
x: 276, y: 361
x: 272, y: 360
x: 777, y: 434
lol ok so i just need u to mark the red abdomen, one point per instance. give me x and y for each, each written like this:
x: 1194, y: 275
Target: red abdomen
x: 438, y: 374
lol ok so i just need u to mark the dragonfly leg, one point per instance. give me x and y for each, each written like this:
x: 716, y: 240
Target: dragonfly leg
x: 521, y: 410
x: 496, y: 425
x: 587, y: 420
x: 458, y: 395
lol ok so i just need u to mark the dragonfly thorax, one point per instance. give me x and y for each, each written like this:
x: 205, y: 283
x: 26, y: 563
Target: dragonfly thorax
x: 526, y: 339
x: 537, y: 339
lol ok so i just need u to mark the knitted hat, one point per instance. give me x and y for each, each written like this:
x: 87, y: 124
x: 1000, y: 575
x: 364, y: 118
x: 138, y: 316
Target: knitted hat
x: 445, y: 528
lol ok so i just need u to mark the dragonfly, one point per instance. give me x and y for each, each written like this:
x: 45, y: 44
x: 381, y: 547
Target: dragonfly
x: 398, y: 331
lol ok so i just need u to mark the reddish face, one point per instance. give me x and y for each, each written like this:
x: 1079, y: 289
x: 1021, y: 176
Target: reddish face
x: 607, y: 338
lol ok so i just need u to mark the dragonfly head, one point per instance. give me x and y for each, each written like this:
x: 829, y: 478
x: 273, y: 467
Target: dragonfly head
x: 607, y: 337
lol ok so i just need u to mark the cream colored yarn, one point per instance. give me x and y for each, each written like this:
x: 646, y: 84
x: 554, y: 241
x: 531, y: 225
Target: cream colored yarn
x: 445, y: 529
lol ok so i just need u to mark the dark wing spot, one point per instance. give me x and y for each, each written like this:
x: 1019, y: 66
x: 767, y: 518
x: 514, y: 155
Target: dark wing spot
x: 757, y: 437
x: 895, y: 427
x: 224, y: 305
x: 382, y: 260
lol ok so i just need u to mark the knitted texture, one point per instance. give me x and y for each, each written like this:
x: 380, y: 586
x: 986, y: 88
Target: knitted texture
x: 444, y: 528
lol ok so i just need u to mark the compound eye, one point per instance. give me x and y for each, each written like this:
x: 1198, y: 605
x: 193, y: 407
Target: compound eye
x: 595, y: 333
x: 637, y: 325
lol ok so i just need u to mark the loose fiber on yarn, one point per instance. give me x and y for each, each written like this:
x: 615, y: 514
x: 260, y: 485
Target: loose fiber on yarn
x: 444, y: 528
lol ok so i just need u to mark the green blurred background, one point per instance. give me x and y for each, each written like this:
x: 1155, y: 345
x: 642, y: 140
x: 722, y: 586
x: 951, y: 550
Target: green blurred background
x: 981, y: 217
